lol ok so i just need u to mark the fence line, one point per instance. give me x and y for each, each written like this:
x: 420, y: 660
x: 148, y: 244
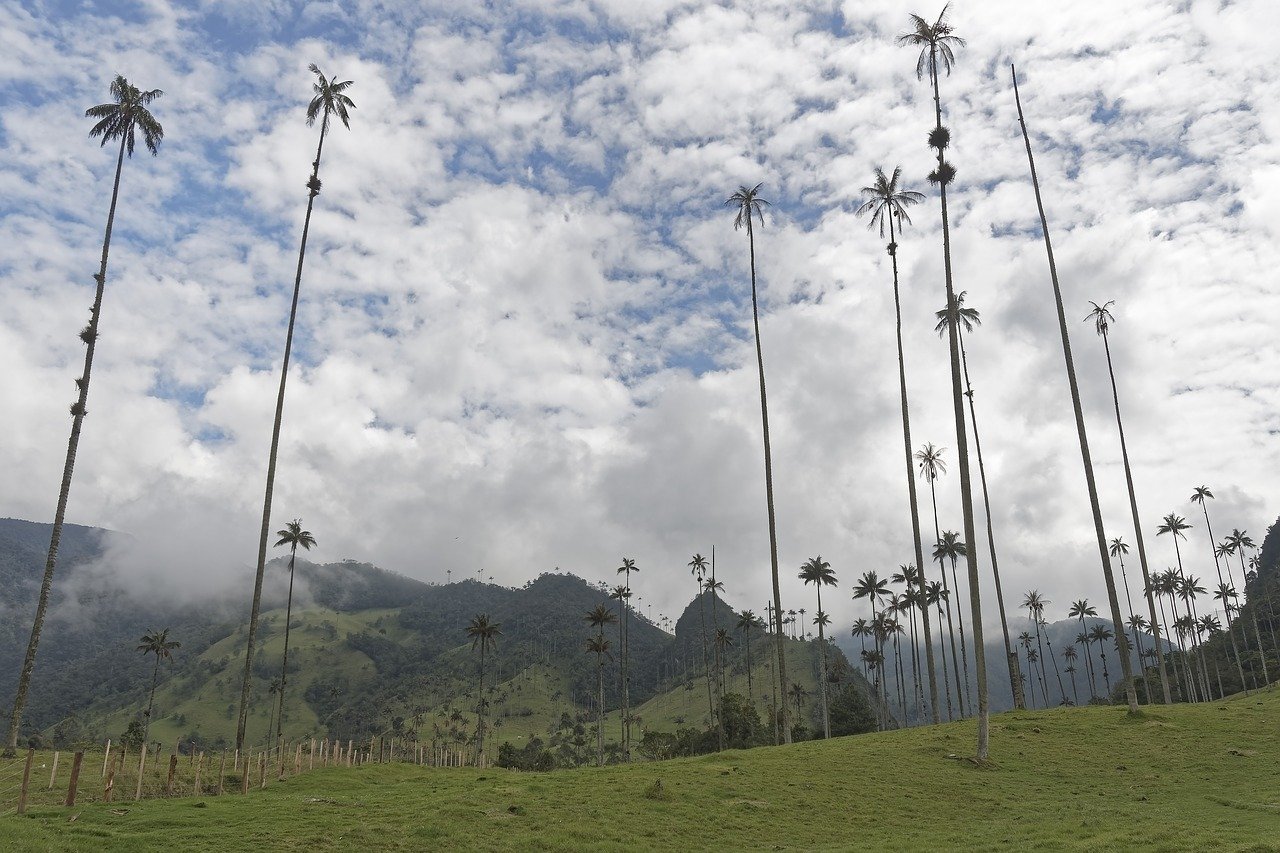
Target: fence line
x: 146, y: 774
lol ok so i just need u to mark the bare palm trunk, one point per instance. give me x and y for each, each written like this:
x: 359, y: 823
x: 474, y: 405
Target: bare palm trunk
x: 1011, y: 659
x: 151, y: 701
x: 750, y: 690
x: 1217, y: 564
x: 284, y: 663
x: 1137, y: 532
x: 78, y: 411
x: 964, y: 652
x: 911, y: 481
x: 768, y: 480
x: 917, y: 695
x: 1137, y: 641
x: 1088, y: 659
x: 600, y: 709
x: 480, y: 711
x: 313, y: 190
x: 942, y: 570
x: 1126, y: 666
x: 1075, y: 694
x: 706, y: 662
x: 822, y: 673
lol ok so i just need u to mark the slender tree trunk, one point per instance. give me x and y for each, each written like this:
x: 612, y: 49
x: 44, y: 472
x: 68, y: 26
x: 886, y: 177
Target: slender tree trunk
x: 964, y: 652
x: 706, y: 662
x: 313, y: 189
x: 942, y: 570
x: 480, y: 710
x: 78, y: 411
x: 1056, y: 672
x: 1011, y: 659
x: 600, y: 709
x: 768, y: 479
x: 911, y: 481
x: 942, y: 652
x: 750, y: 690
x: 626, y: 671
x: 151, y: 702
x: 1088, y: 659
x: 1146, y: 687
x: 1075, y: 694
x: 1217, y: 564
x: 822, y: 672
x: 1126, y: 666
x: 916, y: 690
x: 1137, y: 531
x: 284, y: 663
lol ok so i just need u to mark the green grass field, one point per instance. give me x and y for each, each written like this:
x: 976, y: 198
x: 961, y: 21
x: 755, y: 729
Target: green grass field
x: 1182, y: 778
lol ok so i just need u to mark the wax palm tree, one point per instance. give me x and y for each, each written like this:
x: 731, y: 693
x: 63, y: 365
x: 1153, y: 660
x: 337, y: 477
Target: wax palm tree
x: 330, y: 100
x: 627, y: 568
x: 1102, y: 319
x: 1100, y: 633
x: 872, y: 587
x: 1173, y: 525
x: 123, y: 118
x: 599, y: 646
x: 1113, y: 598
x: 818, y: 572
x: 1246, y: 542
x: 888, y: 204
x: 1079, y: 610
x: 1118, y: 549
x: 950, y: 547
x: 747, y: 621
x: 1035, y: 604
x: 1202, y: 495
x: 910, y: 575
x: 698, y: 567
x: 936, y: 595
x: 1228, y: 595
x: 862, y: 630
x: 1165, y: 585
x: 483, y: 634
x: 1138, y: 625
x: 748, y: 204
x: 1026, y: 639
x: 1188, y: 588
x: 1069, y: 655
x: 155, y: 643
x: 969, y: 320
x: 931, y: 465
x: 294, y: 536
x: 937, y: 41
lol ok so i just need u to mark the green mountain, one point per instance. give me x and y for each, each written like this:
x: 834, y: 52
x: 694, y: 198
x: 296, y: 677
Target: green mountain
x: 371, y: 653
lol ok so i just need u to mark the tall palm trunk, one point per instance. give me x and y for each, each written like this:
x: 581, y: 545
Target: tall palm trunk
x: 911, y: 480
x: 151, y: 700
x: 706, y: 662
x: 951, y: 632
x: 946, y: 682
x: 284, y: 663
x: 1137, y: 641
x: 1179, y: 676
x: 822, y: 672
x: 917, y: 695
x: 78, y: 411
x: 480, y: 712
x: 1202, y: 675
x: 1011, y: 659
x: 600, y: 708
x: 1253, y: 612
x: 964, y: 652
x: 1075, y: 694
x: 626, y: 672
x: 1137, y: 532
x: 750, y: 690
x: 768, y: 480
x: 313, y: 190
x: 1126, y: 665
x: 1088, y: 658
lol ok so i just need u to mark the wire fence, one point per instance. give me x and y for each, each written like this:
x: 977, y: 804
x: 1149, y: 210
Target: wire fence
x: 45, y: 778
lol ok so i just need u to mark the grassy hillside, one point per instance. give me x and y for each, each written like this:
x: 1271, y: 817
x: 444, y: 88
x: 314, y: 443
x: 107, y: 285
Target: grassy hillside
x: 1179, y: 778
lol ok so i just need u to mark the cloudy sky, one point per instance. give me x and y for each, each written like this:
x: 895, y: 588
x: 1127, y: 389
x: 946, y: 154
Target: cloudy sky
x: 524, y: 337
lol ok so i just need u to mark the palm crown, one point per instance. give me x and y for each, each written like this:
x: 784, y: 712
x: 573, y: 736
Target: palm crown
x: 936, y: 42
x: 1101, y: 316
x: 1199, y: 495
x: 817, y: 571
x: 483, y: 633
x: 295, y: 537
x: 929, y: 461
x: 748, y: 203
x: 329, y: 100
x: 1175, y: 524
x: 158, y: 643
x: 119, y: 120
x: 884, y: 199
x: 969, y: 317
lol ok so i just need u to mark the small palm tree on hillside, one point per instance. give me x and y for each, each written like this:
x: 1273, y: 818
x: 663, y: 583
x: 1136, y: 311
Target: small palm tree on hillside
x: 951, y: 547
x: 818, y: 572
x: 294, y: 536
x: 698, y: 567
x: 155, y: 643
x: 888, y: 204
x: 748, y: 204
x: 123, y: 118
x: 599, y: 646
x: 627, y: 568
x: 1079, y: 610
x: 747, y: 622
x: 1202, y: 496
x: 330, y: 100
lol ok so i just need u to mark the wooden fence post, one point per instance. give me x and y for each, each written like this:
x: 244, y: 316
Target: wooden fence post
x: 142, y: 766
x: 235, y: 762
x: 350, y: 746
x: 26, y: 778
x: 222, y: 772
x: 106, y: 756
x: 297, y: 760
x: 54, y: 772
x: 75, y: 778
x: 110, y: 787
x: 311, y: 758
x: 262, y: 770
x: 199, y: 766
x: 173, y: 769
x: 244, y: 777
x: 280, y: 757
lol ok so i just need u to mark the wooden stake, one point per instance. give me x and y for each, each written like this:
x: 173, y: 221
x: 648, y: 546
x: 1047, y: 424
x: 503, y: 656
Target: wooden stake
x: 111, y: 784
x: 196, y: 785
x: 142, y: 766
x: 297, y: 760
x: 54, y: 772
x: 350, y: 746
x: 311, y: 758
x: 173, y: 769
x: 222, y: 772
x: 262, y: 770
x: 75, y: 778
x: 106, y: 756
x: 26, y: 778
x: 244, y: 777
